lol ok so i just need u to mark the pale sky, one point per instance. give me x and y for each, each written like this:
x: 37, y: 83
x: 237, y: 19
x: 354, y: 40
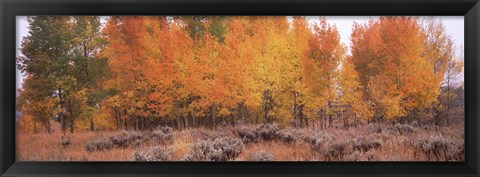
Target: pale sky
x: 454, y: 26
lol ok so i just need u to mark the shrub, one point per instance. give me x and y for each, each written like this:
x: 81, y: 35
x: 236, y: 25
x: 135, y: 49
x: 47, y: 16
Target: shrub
x: 199, y: 151
x: 212, y: 135
x: 286, y: 135
x: 157, y: 153
x: 414, y: 123
x: 247, y: 134
x: 320, y: 142
x: 125, y: 138
x: 440, y: 148
x: 166, y: 130
x: 160, y: 135
x: 121, y: 140
x: 404, y: 128
x: 220, y: 149
x: 268, y: 131
x: 355, y: 156
x: 364, y: 145
x: 373, y: 128
x: 260, y: 156
x: 335, y: 151
x: 65, y: 141
x: 456, y: 151
x: 98, y: 144
x: 230, y: 147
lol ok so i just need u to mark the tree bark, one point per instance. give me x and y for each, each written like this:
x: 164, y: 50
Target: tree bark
x: 193, y: 118
x: 71, y: 117
x: 448, y: 100
x: 62, y: 112
x: 212, y: 112
x: 126, y: 118
x: 49, y: 127
x: 35, y: 126
x: 295, y: 109
x: 232, y: 119
x: 116, y: 118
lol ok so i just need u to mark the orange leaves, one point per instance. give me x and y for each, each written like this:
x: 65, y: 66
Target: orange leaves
x: 324, y: 54
x: 398, y: 65
x: 167, y: 65
x: 143, y: 54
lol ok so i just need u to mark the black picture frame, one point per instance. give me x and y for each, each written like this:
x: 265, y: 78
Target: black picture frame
x: 9, y: 9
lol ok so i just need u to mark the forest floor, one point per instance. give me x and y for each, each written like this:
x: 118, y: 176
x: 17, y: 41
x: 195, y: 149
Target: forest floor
x: 373, y: 142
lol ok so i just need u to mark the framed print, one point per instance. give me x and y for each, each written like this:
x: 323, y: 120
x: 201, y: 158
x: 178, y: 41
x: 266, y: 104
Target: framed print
x: 254, y: 88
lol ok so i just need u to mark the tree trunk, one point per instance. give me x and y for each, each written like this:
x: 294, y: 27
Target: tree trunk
x: 92, y: 126
x: 240, y: 115
x: 49, y: 127
x: 295, y: 109
x: 232, y: 119
x: 134, y: 122
x: 62, y: 112
x: 330, y: 119
x: 193, y: 118
x: 116, y: 118
x: 319, y: 119
x: 71, y: 115
x: 126, y: 118
x: 212, y: 112
x: 266, y: 105
x: 448, y: 100
x: 185, y: 121
x: 178, y: 121
x: 35, y: 126
x: 204, y: 118
x: 356, y: 122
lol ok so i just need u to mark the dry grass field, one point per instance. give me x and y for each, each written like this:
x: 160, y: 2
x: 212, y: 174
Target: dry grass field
x: 373, y: 142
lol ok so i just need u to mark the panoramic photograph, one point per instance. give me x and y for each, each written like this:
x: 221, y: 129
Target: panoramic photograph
x: 240, y: 88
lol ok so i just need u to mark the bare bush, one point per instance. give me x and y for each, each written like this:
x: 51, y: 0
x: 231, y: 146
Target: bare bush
x: 260, y: 156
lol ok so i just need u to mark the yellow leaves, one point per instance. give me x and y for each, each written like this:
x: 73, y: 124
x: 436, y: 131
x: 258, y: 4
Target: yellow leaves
x: 25, y: 124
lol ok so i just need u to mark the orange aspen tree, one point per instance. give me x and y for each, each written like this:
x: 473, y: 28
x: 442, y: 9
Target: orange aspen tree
x: 321, y: 69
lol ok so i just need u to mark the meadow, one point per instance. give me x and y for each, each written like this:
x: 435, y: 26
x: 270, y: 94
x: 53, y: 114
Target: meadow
x: 266, y: 142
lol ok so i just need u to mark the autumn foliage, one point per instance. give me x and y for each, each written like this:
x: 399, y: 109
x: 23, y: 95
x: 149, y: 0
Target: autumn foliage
x: 142, y: 72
